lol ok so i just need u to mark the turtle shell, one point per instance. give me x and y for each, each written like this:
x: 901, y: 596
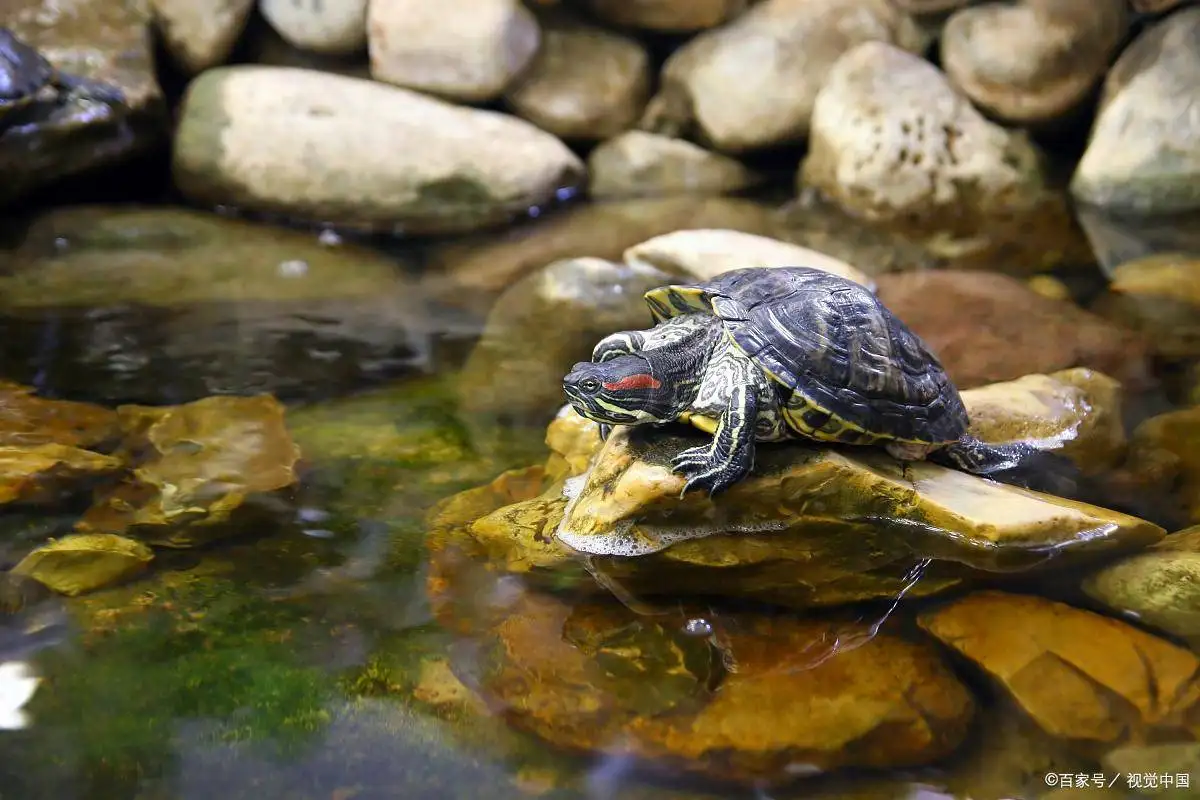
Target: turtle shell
x: 834, y: 346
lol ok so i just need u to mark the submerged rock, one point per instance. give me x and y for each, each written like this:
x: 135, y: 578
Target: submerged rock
x: 1159, y: 586
x: 193, y: 467
x: 201, y: 36
x: 586, y: 83
x: 1160, y: 296
x: 752, y: 84
x: 986, y: 327
x: 641, y: 164
x: 27, y: 420
x: 467, y: 50
x: 101, y: 41
x: 83, y: 563
x: 328, y: 149
x: 1144, y: 153
x: 168, y: 305
x: 515, y: 372
x: 1033, y: 61
x: 1165, y: 451
x: 749, y: 702
x: 1081, y: 676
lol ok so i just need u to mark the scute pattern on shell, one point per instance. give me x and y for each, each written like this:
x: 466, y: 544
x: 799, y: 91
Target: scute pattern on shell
x: 835, y: 342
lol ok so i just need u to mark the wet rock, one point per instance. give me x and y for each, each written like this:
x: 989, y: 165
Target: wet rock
x: 1049, y: 286
x: 468, y: 50
x: 1143, y: 155
x: 27, y: 420
x: 598, y: 679
x: 45, y: 473
x: 474, y: 271
x: 1076, y: 412
x: 545, y: 323
x: 893, y: 144
x: 167, y: 305
x: 332, y: 28
x: 200, y: 35
x: 812, y: 526
x: 707, y: 253
x: 928, y: 6
x: 753, y: 83
x: 986, y: 327
x: 77, y: 564
x: 640, y: 164
x: 1158, y: 295
x: 1080, y: 676
x: 667, y: 15
x: 1159, y: 586
x: 265, y: 46
x: 330, y: 149
x: 1034, y: 61
x: 586, y: 83
x: 194, y: 466
x: 1165, y: 450
x: 102, y: 41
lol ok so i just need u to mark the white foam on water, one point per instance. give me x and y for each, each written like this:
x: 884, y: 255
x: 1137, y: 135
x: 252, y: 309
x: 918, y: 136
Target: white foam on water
x: 17, y: 685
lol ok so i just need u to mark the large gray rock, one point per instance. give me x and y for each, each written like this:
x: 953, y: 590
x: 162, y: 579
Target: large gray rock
x: 356, y: 153
x: 1144, y: 152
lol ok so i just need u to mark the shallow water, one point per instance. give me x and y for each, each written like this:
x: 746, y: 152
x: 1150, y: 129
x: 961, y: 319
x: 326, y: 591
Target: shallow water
x: 303, y: 658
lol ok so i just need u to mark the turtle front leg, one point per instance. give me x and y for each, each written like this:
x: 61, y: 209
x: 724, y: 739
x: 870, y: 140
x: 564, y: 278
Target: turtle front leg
x: 622, y: 343
x: 730, y: 456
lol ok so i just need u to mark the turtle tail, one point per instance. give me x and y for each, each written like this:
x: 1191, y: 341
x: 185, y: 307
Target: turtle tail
x: 1015, y: 463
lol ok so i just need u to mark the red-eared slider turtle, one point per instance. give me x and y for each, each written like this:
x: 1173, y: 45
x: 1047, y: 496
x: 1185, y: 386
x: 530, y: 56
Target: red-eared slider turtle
x: 766, y: 354
x: 27, y: 79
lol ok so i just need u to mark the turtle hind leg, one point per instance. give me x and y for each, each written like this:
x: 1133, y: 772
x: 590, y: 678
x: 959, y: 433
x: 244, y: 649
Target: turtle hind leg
x: 1014, y: 463
x: 729, y: 457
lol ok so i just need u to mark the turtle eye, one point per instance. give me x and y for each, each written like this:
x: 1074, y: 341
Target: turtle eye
x: 590, y: 385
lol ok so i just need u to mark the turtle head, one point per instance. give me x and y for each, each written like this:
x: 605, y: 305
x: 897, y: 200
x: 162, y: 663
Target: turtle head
x: 626, y: 390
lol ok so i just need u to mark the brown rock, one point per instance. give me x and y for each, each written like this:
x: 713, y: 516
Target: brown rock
x: 584, y: 84
x: 27, y: 420
x: 83, y: 563
x: 1165, y: 450
x: 200, y: 35
x: 1033, y: 61
x: 1160, y: 296
x: 987, y: 327
x: 776, y: 693
x: 44, y: 473
x: 667, y: 15
x: 1081, y: 676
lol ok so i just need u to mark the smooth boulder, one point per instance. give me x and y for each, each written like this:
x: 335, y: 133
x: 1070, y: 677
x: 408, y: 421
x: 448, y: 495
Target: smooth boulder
x: 330, y: 149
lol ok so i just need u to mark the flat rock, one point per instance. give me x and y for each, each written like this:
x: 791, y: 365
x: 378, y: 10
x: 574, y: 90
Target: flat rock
x: 77, y: 564
x: 29, y: 421
x: 1080, y: 676
x: 585, y: 83
x: 468, y: 50
x: 44, y: 474
x: 194, y: 466
x: 641, y: 164
x: 678, y: 16
x: 1158, y: 295
x: 894, y: 144
x: 986, y: 327
x: 200, y: 35
x: 1034, y: 61
x: 1144, y: 152
x: 706, y: 253
x: 104, y: 41
x: 752, y: 84
x: 1159, y: 586
x: 771, y: 693
x: 330, y: 149
x: 330, y: 28
x: 165, y: 305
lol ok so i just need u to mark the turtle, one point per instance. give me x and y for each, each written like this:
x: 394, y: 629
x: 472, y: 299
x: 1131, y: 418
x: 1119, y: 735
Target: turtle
x: 767, y: 354
x: 27, y: 78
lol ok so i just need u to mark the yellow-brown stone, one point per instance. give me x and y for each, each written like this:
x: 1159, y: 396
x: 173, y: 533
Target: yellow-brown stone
x: 82, y: 563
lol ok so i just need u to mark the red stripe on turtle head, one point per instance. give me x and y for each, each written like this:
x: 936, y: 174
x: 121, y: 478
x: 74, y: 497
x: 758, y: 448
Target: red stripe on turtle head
x: 642, y: 380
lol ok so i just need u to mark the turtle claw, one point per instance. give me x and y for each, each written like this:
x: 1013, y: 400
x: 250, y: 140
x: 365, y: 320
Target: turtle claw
x: 700, y: 457
x: 605, y: 431
x: 704, y: 470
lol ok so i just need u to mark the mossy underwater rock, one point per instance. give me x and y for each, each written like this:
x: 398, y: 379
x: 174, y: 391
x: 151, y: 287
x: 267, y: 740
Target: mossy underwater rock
x: 82, y: 563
